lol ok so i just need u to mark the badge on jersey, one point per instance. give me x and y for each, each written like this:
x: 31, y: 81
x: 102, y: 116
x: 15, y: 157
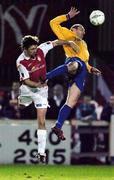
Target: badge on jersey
x: 39, y: 58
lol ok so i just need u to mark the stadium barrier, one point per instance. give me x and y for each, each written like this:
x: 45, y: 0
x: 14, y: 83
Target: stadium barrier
x: 18, y: 141
x: 88, y: 133
x: 111, y: 139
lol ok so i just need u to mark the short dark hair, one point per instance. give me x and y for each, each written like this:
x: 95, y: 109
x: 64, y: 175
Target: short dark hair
x: 28, y: 41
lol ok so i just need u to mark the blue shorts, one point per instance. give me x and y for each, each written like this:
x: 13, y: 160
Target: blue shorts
x: 80, y: 77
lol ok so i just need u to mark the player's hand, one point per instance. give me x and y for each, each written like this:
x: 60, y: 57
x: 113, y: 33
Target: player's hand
x: 43, y: 81
x: 74, y: 46
x: 95, y: 71
x: 73, y: 12
x: 41, y: 84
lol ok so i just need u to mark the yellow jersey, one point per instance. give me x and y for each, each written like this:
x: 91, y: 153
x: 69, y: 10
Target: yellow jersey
x: 65, y: 34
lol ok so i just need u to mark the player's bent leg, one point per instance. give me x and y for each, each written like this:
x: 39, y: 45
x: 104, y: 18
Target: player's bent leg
x: 73, y: 95
x: 73, y: 67
x: 57, y: 71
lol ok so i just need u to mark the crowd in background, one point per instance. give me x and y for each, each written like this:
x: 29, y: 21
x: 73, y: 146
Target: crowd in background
x: 9, y: 108
x: 87, y: 110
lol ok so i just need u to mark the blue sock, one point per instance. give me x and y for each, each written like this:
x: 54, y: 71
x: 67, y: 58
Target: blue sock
x: 63, y: 115
x: 57, y: 71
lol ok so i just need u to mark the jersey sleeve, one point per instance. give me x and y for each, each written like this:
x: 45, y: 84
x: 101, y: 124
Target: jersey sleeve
x: 45, y: 47
x: 24, y: 74
x: 88, y: 67
x: 87, y: 57
x: 61, y: 32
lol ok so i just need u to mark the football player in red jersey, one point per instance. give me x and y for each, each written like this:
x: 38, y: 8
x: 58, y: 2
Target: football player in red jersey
x: 31, y: 65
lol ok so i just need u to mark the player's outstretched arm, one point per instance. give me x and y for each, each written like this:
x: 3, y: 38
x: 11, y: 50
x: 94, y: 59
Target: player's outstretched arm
x: 34, y: 84
x: 55, y: 24
x: 68, y: 43
x: 72, y: 13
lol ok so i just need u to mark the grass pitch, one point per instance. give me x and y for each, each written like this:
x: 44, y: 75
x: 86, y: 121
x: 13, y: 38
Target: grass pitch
x: 60, y: 172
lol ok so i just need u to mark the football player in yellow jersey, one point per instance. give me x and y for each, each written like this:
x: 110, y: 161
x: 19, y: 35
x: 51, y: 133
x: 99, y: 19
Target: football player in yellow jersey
x: 76, y: 64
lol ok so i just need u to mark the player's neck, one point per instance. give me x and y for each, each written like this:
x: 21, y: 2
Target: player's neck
x: 26, y: 54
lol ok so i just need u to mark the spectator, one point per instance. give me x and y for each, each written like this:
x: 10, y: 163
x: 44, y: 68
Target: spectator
x: 108, y: 109
x: 56, y: 102
x: 98, y: 109
x: 2, y: 104
x: 14, y: 93
x: 86, y: 112
x: 13, y: 111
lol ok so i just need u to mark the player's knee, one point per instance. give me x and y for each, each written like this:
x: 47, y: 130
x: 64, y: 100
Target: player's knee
x: 72, y: 103
x: 41, y: 124
x: 73, y: 67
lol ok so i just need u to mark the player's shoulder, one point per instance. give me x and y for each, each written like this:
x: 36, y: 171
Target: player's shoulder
x: 45, y: 44
x: 45, y: 47
x: 84, y: 43
x: 20, y: 58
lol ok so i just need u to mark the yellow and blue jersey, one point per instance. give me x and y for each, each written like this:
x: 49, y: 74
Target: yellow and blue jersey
x: 65, y: 34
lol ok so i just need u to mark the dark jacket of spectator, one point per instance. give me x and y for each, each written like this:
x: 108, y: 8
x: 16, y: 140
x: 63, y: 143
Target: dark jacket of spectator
x: 108, y: 109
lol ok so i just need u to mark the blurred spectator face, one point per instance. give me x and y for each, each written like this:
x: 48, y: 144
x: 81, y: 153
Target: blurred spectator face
x: 86, y: 99
x: 111, y: 101
x: 15, y: 86
x: 58, y: 90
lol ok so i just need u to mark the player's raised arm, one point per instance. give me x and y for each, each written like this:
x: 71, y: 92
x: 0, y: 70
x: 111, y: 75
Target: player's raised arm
x: 62, y: 32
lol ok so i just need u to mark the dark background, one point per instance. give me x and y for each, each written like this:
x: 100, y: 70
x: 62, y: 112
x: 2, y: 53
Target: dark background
x: 100, y: 39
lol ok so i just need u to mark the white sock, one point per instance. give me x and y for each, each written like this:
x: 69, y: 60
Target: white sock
x: 42, y: 136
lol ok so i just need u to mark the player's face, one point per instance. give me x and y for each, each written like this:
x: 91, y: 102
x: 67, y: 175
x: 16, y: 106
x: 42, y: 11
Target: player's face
x: 80, y: 31
x: 31, y: 51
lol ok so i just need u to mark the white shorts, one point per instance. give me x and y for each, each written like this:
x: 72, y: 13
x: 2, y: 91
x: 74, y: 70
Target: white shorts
x: 37, y: 95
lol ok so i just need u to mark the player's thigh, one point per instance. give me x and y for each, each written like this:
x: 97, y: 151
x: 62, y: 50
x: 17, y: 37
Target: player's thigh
x: 73, y: 95
x: 40, y: 98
